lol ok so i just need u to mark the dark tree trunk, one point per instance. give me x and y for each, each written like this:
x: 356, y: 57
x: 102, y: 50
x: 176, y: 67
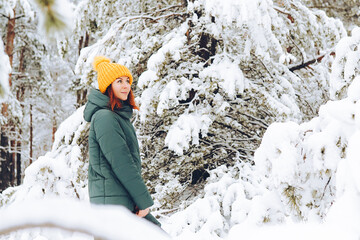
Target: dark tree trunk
x: 5, y: 173
x: 81, y: 94
x: 31, y: 135
x: 81, y: 97
x: 54, y: 128
x: 86, y: 43
x: 82, y: 43
x: 7, y: 151
x: 20, y: 96
x: 12, y: 157
x: 18, y: 162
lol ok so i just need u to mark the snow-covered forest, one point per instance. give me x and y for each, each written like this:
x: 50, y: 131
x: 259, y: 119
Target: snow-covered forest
x: 248, y: 127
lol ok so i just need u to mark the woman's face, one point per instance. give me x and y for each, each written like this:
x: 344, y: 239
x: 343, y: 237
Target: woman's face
x: 121, y: 88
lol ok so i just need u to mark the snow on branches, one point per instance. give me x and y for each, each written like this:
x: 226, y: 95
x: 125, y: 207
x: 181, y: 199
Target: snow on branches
x: 346, y: 64
x: 313, y: 165
x: 213, y: 60
x: 304, y: 182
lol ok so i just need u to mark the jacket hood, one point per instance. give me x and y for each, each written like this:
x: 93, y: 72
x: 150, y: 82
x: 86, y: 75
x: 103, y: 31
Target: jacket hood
x: 97, y: 101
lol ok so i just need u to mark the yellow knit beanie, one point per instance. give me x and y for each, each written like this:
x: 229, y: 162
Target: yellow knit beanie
x: 107, y: 72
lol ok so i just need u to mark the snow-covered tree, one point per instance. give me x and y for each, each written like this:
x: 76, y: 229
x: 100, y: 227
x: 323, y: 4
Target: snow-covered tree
x: 37, y: 71
x: 11, y: 114
x: 304, y: 173
x: 213, y: 77
x: 93, y: 19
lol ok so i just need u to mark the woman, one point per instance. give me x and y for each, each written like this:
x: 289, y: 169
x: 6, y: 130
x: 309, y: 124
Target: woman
x: 115, y: 166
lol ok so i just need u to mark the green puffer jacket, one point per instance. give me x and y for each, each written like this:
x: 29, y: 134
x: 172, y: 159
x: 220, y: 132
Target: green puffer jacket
x: 115, y: 167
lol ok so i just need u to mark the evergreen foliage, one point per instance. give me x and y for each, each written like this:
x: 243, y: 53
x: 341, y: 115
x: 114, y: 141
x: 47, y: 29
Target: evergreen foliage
x: 55, y: 17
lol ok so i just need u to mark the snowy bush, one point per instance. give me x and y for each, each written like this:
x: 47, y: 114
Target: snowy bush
x: 305, y: 163
x: 346, y: 65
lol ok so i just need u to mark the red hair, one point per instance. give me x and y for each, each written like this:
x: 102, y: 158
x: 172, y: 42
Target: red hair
x: 116, y: 102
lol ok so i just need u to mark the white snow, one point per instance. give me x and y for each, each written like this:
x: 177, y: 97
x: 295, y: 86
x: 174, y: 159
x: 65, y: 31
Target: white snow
x: 345, y: 66
x: 185, y: 130
x: 69, y: 129
x: 170, y: 49
x: 232, y: 80
x: 168, y: 97
x: 108, y: 222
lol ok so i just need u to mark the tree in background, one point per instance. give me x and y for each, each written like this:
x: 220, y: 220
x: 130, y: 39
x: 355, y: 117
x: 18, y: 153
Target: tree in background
x: 38, y: 80
x: 10, y: 161
x: 346, y: 10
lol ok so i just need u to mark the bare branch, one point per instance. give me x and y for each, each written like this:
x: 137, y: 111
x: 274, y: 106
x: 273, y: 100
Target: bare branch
x: 262, y: 123
x: 262, y: 63
x: 287, y: 14
x: 306, y: 64
x: 166, y: 9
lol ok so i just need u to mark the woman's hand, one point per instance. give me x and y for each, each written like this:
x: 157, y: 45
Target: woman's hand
x: 143, y: 213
